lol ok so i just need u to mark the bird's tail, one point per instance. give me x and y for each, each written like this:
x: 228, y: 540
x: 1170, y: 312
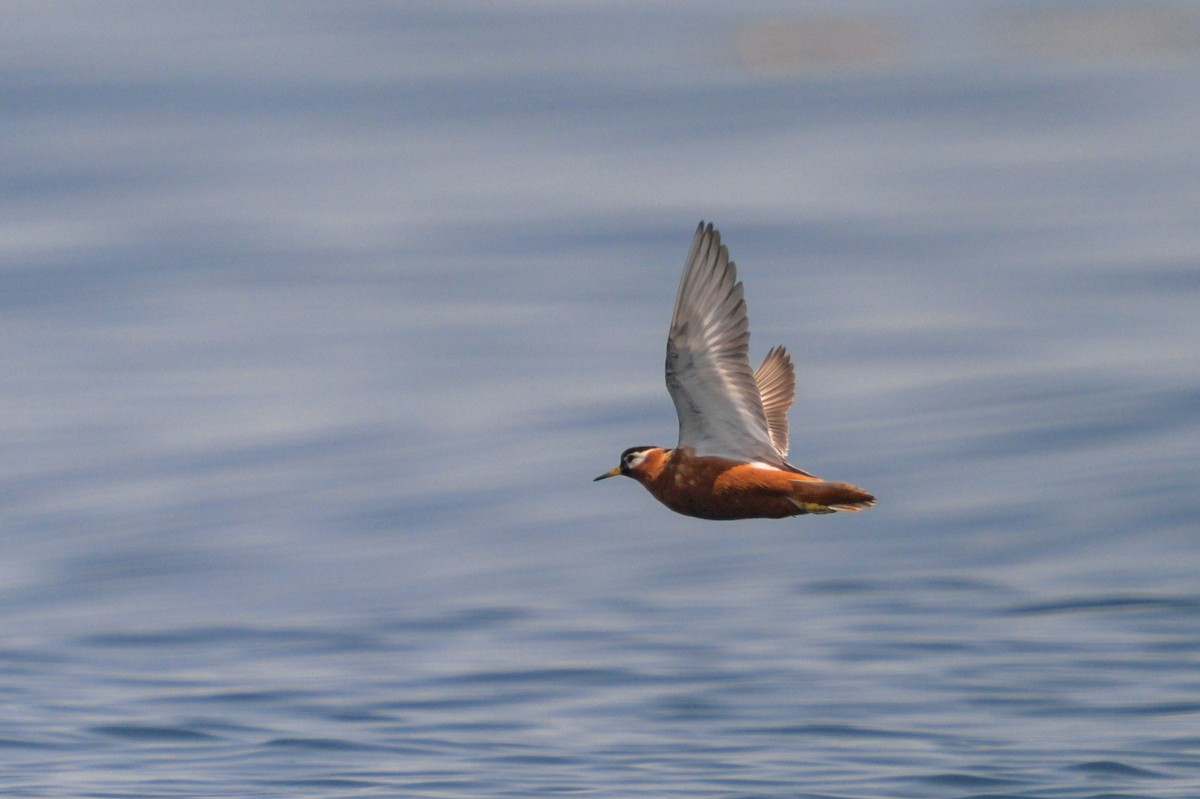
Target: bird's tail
x: 827, y: 496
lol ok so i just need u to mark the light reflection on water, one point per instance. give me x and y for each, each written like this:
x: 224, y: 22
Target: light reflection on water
x: 317, y: 326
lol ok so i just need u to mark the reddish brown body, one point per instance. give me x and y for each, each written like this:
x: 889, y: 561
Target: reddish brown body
x: 718, y: 488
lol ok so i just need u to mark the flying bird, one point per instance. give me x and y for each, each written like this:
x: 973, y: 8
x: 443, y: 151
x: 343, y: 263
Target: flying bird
x: 730, y: 462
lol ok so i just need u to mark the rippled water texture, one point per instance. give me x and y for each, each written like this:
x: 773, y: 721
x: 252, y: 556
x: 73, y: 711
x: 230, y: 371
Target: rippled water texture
x: 316, y: 321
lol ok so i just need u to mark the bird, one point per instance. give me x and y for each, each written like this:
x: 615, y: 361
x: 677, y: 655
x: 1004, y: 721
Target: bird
x: 731, y: 458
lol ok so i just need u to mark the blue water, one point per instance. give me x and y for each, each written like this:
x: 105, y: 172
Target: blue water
x: 317, y: 320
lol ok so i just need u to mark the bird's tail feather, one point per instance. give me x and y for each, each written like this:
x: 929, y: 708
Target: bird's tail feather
x: 827, y: 496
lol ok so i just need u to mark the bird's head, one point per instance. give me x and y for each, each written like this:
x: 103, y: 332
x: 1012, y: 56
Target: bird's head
x: 635, y: 462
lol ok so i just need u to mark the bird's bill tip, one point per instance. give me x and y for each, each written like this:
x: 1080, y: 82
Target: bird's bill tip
x: 610, y: 473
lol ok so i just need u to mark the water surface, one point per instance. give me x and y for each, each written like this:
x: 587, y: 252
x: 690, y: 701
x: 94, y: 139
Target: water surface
x: 317, y: 322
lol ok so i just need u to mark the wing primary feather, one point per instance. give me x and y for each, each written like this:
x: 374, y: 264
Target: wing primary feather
x: 776, y: 379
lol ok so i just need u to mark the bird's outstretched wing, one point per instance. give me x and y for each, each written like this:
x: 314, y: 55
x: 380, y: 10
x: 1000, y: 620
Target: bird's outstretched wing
x: 708, y: 368
x: 776, y: 381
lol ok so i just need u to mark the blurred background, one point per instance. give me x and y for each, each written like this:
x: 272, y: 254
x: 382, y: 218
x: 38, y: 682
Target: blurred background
x: 316, y: 321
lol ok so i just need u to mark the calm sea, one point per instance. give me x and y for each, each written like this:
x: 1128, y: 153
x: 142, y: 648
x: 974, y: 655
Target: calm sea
x: 316, y: 321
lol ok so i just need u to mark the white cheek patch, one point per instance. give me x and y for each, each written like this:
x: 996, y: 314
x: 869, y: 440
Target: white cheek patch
x: 635, y: 461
